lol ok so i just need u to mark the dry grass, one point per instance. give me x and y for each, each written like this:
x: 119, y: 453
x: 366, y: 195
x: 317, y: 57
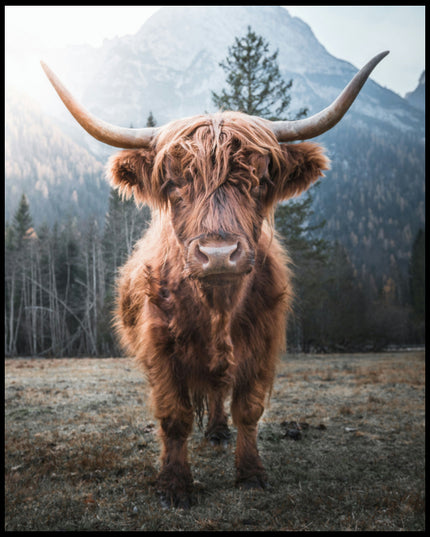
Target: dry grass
x: 82, y: 452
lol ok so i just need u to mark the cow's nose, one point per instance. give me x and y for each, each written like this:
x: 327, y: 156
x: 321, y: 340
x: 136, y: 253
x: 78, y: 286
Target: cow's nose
x: 216, y: 257
x: 222, y: 257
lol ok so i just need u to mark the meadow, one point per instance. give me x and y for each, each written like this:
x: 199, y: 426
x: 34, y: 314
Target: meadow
x: 343, y: 443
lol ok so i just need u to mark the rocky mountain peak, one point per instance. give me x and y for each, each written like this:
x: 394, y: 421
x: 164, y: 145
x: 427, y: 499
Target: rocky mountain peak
x: 417, y: 98
x: 171, y: 65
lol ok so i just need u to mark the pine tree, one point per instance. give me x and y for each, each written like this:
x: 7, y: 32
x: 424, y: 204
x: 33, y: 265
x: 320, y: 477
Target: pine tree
x: 22, y: 222
x: 256, y: 85
x: 292, y: 221
x: 150, y: 122
x: 309, y: 254
x: 9, y: 237
x: 21, y: 271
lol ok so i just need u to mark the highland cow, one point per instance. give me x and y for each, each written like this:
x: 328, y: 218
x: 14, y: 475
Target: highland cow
x: 203, y: 299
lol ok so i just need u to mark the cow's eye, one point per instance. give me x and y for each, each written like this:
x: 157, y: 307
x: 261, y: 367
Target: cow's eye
x: 175, y: 195
x: 260, y: 190
x: 173, y: 191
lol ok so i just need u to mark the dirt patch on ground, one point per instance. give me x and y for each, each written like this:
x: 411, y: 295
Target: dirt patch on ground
x: 342, y: 442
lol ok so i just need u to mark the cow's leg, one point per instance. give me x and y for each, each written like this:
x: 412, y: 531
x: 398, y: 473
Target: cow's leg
x: 175, y: 414
x: 247, y: 408
x: 217, y: 431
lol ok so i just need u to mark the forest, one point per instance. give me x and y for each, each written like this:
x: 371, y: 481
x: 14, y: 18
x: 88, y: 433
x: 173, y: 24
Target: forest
x: 60, y: 286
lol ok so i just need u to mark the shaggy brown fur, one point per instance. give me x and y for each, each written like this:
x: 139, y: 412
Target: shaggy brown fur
x: 196, y: 338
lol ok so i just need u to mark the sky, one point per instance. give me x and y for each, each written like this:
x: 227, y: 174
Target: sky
x: 357, y: 33
x: 352, y: 33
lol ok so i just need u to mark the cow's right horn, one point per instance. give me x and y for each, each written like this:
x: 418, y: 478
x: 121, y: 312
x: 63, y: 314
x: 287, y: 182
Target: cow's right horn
x: 102, y: 131
x: 303, y: 129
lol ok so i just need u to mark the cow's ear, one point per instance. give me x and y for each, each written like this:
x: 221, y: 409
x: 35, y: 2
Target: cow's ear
x: 130, y: 171
x: 303, y: 164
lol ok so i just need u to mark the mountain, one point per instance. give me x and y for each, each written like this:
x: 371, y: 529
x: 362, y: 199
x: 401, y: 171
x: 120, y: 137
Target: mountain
x: 417, y: 97
x: 171, y: 65
x: 60, y: 177
x: 373, y: 197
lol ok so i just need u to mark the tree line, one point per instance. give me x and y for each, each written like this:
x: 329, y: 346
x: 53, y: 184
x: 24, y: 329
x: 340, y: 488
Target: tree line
x: 338, y: 308
x: 60, y: 280
x: 60, y: 286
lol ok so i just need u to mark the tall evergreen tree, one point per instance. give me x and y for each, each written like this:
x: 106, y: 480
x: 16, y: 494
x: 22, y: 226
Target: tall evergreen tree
x: 150, y: 122
x: 22, y: 221
x: 309, y: 254
x: 256, y: 86
x: 20, y: 268
x: 292, y: 220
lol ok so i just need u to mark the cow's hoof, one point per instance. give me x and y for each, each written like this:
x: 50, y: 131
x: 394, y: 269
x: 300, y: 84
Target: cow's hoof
x: 255, y: 482
x: 175, y: 486
x: 169, y: 500
x: 218, y: 442
x: 219, y: 437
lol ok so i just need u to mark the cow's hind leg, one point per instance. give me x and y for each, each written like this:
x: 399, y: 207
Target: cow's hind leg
x: 217, y: 431
x: 247, y: 408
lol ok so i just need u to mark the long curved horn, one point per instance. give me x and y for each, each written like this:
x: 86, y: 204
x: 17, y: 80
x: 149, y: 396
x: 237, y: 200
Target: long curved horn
x: 102, y: 131
x: 302, y: 129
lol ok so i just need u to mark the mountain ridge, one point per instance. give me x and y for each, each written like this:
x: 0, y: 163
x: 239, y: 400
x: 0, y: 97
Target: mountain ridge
x: 417, y: 97
x: 59, y: 176
x: 170, y: 64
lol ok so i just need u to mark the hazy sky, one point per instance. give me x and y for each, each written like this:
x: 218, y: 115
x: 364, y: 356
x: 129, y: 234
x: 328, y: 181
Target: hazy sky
x: 352, y: 33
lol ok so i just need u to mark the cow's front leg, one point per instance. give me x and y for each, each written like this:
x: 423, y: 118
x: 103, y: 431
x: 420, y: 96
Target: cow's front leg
x: 175, y: 414
x: 247, y: 408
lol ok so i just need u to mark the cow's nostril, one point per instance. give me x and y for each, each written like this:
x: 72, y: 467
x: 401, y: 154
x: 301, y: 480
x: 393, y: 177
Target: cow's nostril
x: 236, y: 254
x: 200, y: 256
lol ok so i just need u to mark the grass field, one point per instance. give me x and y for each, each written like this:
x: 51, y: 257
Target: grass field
x: 82, y: 452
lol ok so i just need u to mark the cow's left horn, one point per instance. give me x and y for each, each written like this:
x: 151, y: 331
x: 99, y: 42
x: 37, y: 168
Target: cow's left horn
x: 102, y: 131
x: 303, y: 129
